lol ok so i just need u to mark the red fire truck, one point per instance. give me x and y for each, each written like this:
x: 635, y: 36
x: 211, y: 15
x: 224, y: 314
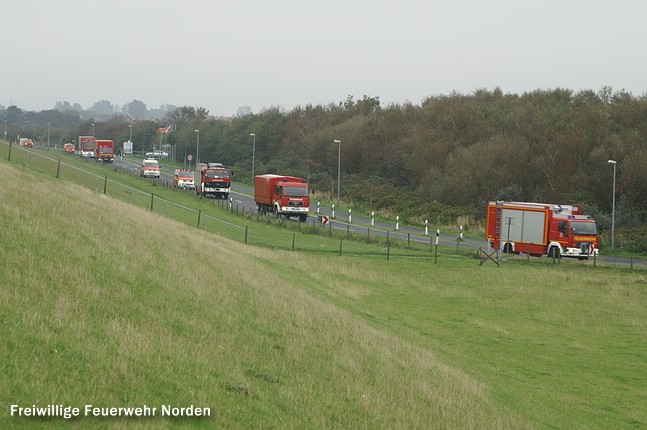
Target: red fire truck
x: 86, y: 146
x: 104, y: 151
x: 212, y: 179
x: 282, y: 195
x: 541, y: 229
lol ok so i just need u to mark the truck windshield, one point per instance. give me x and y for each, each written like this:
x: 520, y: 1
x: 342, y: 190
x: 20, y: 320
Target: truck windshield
x: 151, y: 164
x: 579, y: 227
x: 104, y: 150
x: 295, y: 191
x: 217, y: 174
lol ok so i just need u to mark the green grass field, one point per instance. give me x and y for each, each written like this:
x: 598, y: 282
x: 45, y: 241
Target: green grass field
x: 109, y: 304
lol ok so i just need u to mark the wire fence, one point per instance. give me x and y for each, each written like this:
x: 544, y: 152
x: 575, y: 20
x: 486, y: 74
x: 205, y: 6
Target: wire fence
x: 227, y: 219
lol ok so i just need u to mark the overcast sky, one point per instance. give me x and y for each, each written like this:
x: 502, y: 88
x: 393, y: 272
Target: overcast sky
x: 223, y: 54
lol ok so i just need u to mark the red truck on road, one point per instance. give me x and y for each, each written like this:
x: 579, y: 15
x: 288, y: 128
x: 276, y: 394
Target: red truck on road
x: 212, y: 179
x: 541, y: 229
x: 104, y: 151
x: 286, y: 196
x: 86, y: 145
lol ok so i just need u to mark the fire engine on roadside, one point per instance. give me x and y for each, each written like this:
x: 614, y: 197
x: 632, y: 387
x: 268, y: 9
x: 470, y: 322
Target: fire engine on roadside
x: 541, y: 229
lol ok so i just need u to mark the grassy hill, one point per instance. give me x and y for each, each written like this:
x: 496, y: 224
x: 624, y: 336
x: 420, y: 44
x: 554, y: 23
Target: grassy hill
x: 105, y: 304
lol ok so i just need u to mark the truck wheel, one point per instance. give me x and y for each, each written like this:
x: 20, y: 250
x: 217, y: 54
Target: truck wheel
x: 303, y: 218
x: 554, y: 252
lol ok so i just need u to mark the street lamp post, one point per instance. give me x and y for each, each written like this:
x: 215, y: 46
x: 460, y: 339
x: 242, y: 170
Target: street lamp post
x: 130, y: 138
x: 48, y: 128
x: 197, y: 148
x: 92, y: 130
x: 253, y: 154
x: 338, y: 170
x: 5, y: 129
x: 613, y: 205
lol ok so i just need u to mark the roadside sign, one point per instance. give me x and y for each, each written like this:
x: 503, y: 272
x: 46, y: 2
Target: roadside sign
x: 323, y: 219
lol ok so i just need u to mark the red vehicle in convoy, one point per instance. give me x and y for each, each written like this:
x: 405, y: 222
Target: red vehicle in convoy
x: 286, y: 196
x: 86, y: 146
x: 541, y: 229
x: 184, y: 179
x: 150, y: 168
x: 104, y: 151
x: 212, y: 180
x: 69, y: 148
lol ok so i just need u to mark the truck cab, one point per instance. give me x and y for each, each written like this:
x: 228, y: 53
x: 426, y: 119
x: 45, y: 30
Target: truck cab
x: 573, y: 236
x: 212, y: 180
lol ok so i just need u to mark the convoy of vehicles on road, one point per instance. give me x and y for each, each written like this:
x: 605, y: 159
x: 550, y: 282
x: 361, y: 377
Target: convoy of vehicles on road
x: 212, y: 180
x: 285, y: 196
x: 516, y: 227
x: 541, y: 229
